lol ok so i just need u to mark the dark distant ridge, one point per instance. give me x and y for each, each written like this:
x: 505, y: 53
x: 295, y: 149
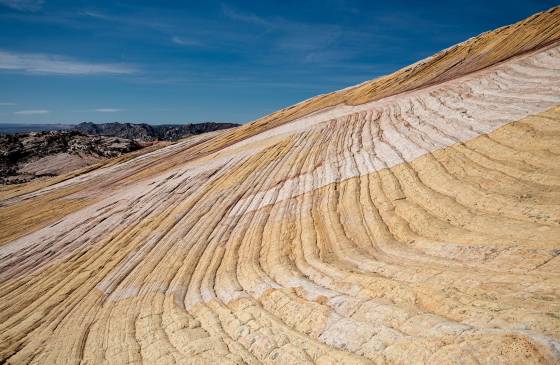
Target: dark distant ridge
x: 13, y: 128
x: 147, y: 132
x: 138, y: 131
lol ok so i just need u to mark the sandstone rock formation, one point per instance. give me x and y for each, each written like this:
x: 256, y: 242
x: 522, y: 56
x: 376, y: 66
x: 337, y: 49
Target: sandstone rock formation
x: 26, y: 156
x: 411, y: 219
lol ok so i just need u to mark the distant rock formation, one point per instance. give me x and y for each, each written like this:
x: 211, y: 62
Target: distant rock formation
x: 27, y: 156
x: 12, y: 128
x: 147, y: 132
x: 24, y: 157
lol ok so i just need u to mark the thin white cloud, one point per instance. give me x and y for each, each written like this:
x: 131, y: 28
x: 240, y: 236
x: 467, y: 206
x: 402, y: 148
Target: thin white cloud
x: 23, y: 5
x: 32, y: 112
x: 94, y: 14
x: 7, y: 103
x: 54, y: 64
x: 108, y: 110
x: 127, y: 21
x: 184, y: 41
x: 244, y: 17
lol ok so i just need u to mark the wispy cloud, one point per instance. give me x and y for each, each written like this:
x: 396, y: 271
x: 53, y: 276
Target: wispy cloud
x: 7, y: 103
x: 301, y: 42
x: 139, y: 21
x: 32, y: 112
x: 55, y: 64
x: 23, y: 5
x: 184, y: 41
x: 108, y: 110
x: 95, y: 14
x: 244, y: 17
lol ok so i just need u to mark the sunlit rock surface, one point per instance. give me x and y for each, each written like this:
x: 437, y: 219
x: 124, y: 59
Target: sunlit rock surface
x: 411, y: 219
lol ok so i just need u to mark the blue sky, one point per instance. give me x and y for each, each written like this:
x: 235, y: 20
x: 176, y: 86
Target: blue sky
x: 234, y: 61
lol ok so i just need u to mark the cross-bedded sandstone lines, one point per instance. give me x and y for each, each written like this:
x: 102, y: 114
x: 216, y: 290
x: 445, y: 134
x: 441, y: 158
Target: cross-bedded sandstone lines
x: 419, y: 228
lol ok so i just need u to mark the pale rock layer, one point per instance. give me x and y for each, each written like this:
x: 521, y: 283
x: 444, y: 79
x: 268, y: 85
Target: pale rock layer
x: 422, y: 227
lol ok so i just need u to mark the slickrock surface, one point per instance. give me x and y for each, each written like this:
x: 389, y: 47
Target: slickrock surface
x: 422, y: 226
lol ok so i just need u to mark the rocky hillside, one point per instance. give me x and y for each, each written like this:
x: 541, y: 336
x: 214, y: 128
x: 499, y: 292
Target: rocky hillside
x: 414, y: 218
x: 27, y: 156
x: 146, y: 132
x: 24, y: 157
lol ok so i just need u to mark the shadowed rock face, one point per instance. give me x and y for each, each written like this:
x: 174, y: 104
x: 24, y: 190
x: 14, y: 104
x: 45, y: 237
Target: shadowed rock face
x: 415, y: 226
x: 148, y: 132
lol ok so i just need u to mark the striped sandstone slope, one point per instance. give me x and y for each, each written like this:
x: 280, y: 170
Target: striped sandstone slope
x: 411, y: 219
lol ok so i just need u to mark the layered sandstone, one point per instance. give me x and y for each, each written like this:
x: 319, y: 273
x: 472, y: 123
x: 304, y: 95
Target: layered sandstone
x: 411, y: 219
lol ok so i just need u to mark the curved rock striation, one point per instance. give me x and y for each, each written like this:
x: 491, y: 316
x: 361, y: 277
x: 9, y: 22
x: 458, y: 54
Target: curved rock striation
x: 419, y: 227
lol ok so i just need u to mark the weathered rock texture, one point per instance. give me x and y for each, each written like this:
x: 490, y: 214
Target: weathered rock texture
x: 24, y: 157
x: 147, y: 132
x: 420, y: 227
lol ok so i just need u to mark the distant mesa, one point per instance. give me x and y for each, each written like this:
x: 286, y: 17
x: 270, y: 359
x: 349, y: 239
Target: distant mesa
x: 12, y: 128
